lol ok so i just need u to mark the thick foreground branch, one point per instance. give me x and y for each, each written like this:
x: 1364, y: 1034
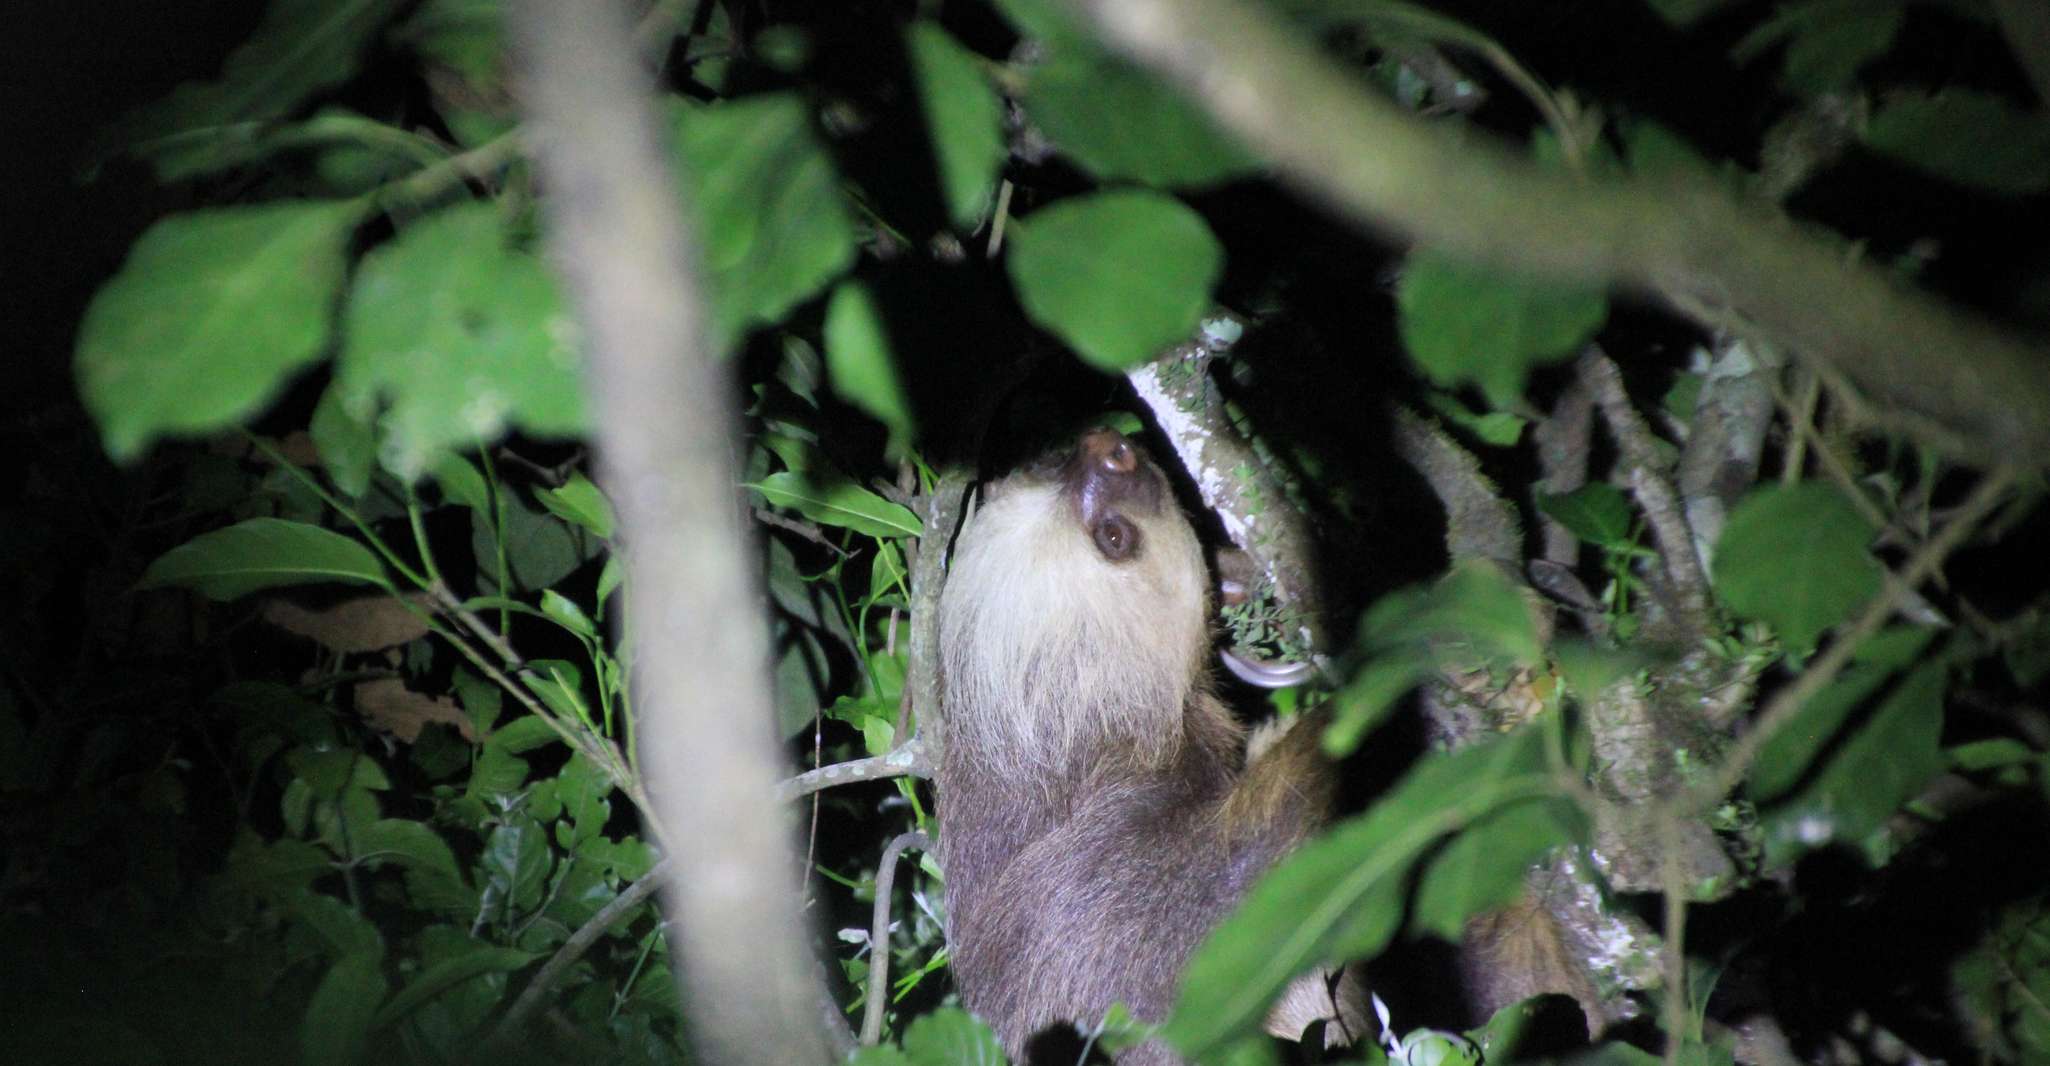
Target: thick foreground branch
x: 665, y: 444
x: 1687, y: 241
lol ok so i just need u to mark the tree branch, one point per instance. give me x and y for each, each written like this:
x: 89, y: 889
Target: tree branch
x: 908, y: 760
x: 665, y: 433
x: 573, y: 949
x: 1683, y: 239
x: 879, y: 933
x: 1230, y: 475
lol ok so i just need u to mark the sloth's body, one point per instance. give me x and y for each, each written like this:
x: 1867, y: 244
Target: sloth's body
x: 1099, y: 813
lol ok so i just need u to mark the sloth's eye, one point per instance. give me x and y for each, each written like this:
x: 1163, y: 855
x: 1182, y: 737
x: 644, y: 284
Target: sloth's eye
x: 1116, y: 538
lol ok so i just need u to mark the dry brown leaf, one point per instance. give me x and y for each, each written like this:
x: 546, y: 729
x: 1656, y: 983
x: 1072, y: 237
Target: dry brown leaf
x: 389, y: 705
x: 364, y: 624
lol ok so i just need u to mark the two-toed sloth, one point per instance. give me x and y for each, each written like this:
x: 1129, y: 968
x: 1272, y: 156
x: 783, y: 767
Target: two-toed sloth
x: 1100, y: 810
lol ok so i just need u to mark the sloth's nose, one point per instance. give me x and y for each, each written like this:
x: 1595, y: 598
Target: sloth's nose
x: 1108, y: 450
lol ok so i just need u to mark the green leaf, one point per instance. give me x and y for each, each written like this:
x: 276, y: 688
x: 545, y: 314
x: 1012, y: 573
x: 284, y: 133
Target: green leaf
x: 1121, y: 123
x: 1472, y: 617
x: 460, y: 482
x: 347, y: 448
x: 1596, y: 513
x: 880, y: 1055
x: 262, y: 553
x: 338, y: 1019
x: 1795, y: 556
x: 772, y: 228
x: 302, y: 48
x: 524, y: 734
x: 565, y: 611
x: 1341, y: 896
x: 516, y: 861
x: 1827, y: 40
x: 463, y: 334
x: 963, y: 116
x: 864, y: 372
x: 1463, y: 323
x: 344, y: 932
x: 1787, y: 753
x: 1685, y: 13
x: 1975, y: 139
x: 211, y: 313
x: 1882, y: 764
x: 950, y: 1036
x: 1119, y: 275
x: 540, y: 549
x: 445, y: 974
x: 580, y: 501
x: 329, y: 771
x: 836, y: 501
x: 411, y: 844
x: 1483, y: 867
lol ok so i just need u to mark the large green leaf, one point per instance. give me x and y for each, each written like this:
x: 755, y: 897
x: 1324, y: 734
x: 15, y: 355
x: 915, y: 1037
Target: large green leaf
x: 1341, y: 896
x: 445, y: 974
x: 1881, y: 765
x: 1795, y: 556
x: 864, y: 372
x: 338, y: 1019
x: 951, y: 1036
x: 1473, y: 616
x: 1827, y: 40
x: 1121, y: 123
x: 836, y: 501
x: 209, y: 315
x: 348, y: 448
x: 579, y: 500
x: 1975, y: 139
x: 963, y: 116
x: 1596, y: 513
x: 1785, y: 756
x: 772, y: 229
x: 1483, y: 867
x: 1119, y: 275
x: 1463, y: 323
x: 302, y: 48
x: 263, y: 553
x: 402, y: 841
x: 515, y: 864
x: 463, y: 334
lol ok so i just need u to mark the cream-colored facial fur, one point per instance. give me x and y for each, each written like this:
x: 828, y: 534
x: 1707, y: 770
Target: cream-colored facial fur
x: 1036, y: 625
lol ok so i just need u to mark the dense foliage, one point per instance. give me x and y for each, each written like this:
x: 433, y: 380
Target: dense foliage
x: 316, y: 730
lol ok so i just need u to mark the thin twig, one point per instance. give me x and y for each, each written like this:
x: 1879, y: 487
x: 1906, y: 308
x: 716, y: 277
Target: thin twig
x: 1800, y: 412
x: 573, y: 949
x: 802, y: 528
x: 1790, y: 700
x: 879, y: 933
x: 907, y: 760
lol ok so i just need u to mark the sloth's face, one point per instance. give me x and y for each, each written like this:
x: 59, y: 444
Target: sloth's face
x: 1112, y: 491
x: 1077, y: 603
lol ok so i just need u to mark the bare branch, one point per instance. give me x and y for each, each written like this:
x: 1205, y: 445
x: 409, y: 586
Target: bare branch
x: 573, y: 949
x: 1689, y: 241
x: 1229, y: 474
x: 1563, y: 439
x: 908, y: 760
x: 879, y: 933
x: 1479, y: 524
x: 1687, y: 583
x: 665, y: 433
